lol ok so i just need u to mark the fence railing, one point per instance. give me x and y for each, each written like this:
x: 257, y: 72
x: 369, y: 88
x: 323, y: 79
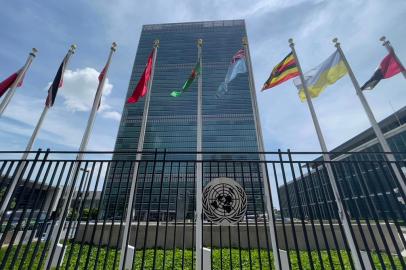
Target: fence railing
x: 70, y: 214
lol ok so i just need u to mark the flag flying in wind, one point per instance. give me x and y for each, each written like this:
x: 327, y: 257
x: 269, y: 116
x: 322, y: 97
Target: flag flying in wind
x: 282, y: 72
x: 237, y: 66
x: 101, y: 76
x: 56, y: 84
x: 387, y: 68
x: 142, y: 86
x: 325, y: 74
x: 7, y: 83
x: 195, y: 73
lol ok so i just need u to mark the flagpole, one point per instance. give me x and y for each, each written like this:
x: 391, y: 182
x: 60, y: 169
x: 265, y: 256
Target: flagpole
x: 20, y: 76
x: 29, y: 146
x: 390, y: 49
x: 82, y: 148
x: 140, y: 146
x: 199, y: 181
x: 266, y: 184
x: 341, y: 210
x: 378, y: 132
x: 96, y: 102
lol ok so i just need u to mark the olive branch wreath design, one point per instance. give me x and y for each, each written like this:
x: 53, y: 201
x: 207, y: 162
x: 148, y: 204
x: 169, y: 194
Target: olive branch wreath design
x: 208, y: 208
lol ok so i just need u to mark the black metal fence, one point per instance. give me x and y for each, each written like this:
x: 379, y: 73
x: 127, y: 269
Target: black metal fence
x: 71, y: 214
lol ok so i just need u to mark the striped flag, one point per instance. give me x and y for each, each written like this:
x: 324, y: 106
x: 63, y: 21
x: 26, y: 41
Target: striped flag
x: 387, y: 68
x: 7, y: 83
x: 56, y: 84
x: 282, y: 72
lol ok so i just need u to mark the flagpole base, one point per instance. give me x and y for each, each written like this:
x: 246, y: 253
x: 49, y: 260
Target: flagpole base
x: 59, y: 252
x: 129, y: 258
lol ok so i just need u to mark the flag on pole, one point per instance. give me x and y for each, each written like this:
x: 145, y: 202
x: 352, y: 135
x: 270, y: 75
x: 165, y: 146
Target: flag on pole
x: 387, y: 68
x: 282, y: 72
x: 7, y: 83
x: 57, y: 83
x: 101, y: 76
x: 195, y: 73
x: 325, y: 74
x: 237, y: 66
x: 142, y: 86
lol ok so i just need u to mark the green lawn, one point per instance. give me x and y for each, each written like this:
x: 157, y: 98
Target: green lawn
x: 221, y: 259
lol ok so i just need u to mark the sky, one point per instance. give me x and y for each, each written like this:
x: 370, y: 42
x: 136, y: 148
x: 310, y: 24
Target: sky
x: 52, y: 26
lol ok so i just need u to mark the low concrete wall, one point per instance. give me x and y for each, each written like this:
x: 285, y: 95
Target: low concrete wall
x: 242, y: 236
x: 17, y: 239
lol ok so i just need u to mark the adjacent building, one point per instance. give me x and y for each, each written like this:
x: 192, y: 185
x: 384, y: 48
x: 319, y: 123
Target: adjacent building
x: 366, y: 187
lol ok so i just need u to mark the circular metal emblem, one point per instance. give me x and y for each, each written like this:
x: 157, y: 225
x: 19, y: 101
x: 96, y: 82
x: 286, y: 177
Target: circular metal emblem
x: 224, y: 201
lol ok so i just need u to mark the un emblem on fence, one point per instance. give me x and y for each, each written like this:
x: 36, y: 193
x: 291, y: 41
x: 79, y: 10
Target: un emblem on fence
x: 224, y: 201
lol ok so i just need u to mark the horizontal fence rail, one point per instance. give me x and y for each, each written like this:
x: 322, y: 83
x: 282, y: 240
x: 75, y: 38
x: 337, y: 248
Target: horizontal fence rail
x: 69, y: 214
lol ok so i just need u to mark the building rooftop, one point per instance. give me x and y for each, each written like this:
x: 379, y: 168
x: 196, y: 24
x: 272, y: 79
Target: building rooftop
x: 391, y: 122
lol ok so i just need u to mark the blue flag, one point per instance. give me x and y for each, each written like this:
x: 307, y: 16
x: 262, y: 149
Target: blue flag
x: 237, y: 66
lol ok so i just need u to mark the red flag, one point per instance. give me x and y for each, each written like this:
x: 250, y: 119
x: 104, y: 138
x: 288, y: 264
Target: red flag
x: 387, y: 68
x: 6, y: 84
x: 142, y: 86
x: 101, y: 76
x: 390, y: 67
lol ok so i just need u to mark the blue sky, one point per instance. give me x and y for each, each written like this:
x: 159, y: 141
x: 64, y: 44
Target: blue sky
x: 51, y: 26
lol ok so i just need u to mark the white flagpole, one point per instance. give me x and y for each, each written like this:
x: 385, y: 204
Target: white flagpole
x: 199, y: 181
x: 140, y: 147
x: 341, y: 210
x: 265, y: 182
x: 378, y: 132
x: 96, y: 102
x: 29, y: 145
x: 82, y: 148
x: 390, y: 49
x: 20, y: 76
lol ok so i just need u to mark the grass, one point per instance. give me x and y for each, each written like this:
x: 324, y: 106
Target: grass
x: 175, y: 259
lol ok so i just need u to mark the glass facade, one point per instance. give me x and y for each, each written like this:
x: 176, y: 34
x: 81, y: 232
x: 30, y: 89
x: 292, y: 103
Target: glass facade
x: 363, y: 183
x: 228, y: 122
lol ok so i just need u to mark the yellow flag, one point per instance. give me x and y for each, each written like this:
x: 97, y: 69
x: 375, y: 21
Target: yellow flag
x: 325, y: 74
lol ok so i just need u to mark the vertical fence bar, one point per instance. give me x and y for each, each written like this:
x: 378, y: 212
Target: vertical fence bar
x: 98, y: 214
x: 353, y: 196
x: 84, y: 234
x: 106, y: 211
x: 73, y: 213
x: 246, y: 217
x: 45, y: 225
x: 255, y: 214
x: 167, y: 214
x: 27, y: 246
x: 292, y: 223
x: 159, y: 208
x: 149, y: 208
x: 299, y: 203
x: 311, y: 215
x: 140, y: 209
x: 17, y: 205
x: 54, y: 221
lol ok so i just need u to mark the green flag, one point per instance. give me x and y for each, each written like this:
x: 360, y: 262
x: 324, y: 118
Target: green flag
x: 195, y: 73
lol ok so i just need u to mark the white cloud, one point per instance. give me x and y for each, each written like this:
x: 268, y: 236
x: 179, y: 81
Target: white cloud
x: 61, y: 126
x: 79, y: 89
x: 112, y: 115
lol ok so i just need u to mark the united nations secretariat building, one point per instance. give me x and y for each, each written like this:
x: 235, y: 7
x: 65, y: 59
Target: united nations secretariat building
x: 229, y: 126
